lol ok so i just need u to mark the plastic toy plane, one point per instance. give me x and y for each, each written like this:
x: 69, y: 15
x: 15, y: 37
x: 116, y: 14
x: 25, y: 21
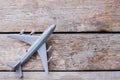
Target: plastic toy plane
x: 38, y: 44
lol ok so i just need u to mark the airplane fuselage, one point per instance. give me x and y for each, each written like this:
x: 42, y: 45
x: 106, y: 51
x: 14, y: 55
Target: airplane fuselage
x: 37, y: 44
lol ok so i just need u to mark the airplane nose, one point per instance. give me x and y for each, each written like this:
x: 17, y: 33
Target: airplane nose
x: 53, y: 26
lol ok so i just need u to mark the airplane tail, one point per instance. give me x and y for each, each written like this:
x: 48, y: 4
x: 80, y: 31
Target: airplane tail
x: 17, y: 67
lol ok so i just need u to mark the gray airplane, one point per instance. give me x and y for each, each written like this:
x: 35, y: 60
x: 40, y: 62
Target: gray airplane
x: 38, y: 44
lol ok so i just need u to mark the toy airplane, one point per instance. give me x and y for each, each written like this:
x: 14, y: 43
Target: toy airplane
x: 38, y: 44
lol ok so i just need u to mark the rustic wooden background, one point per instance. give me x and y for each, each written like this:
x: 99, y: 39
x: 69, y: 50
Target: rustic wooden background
x: 77, y: 52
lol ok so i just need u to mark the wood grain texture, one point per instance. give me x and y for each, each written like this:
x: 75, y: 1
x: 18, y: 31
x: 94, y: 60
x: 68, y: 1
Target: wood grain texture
x: 62, y: 76
x: 68, y: 15
x: 70, y: 52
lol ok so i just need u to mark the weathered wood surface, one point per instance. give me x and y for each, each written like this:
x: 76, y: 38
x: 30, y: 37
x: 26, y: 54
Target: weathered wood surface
x: 62, y: 76
x: 69, y: 15
x: 70, y: 52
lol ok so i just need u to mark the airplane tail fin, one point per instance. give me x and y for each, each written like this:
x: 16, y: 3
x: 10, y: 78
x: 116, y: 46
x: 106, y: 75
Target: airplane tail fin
x: 17, y: 67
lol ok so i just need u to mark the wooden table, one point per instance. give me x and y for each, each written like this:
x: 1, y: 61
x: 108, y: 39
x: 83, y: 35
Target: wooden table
x: 86, y: 42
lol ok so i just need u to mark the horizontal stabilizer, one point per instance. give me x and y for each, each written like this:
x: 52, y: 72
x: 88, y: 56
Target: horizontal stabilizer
x: 12, y: 64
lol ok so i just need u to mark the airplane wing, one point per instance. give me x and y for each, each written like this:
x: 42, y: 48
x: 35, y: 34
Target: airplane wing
x: 25, y: 38
x: 43, y: 54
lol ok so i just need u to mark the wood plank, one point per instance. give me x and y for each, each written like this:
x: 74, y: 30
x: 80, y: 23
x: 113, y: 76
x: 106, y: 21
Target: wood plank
x: 69, y: 15
x: 70, y: 52
x: 62, y: 76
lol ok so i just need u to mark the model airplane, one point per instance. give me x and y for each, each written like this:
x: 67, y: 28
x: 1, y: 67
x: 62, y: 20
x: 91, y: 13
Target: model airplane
x: 38, y: 44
